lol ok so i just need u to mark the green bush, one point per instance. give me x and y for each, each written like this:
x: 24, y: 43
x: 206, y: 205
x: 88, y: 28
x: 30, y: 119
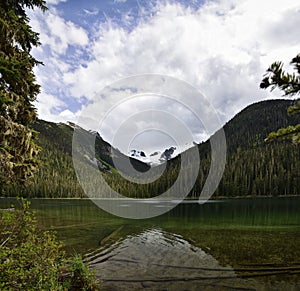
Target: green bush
x: 82, y: 278
x: 34, y: 260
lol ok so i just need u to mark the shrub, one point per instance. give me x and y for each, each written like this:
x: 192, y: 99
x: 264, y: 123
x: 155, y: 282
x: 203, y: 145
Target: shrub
x: 34, y: 260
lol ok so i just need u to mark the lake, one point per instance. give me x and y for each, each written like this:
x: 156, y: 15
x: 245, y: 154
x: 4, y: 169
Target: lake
x: 227, y: 244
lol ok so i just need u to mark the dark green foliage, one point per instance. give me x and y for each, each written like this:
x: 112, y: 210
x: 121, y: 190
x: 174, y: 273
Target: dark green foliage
x: 294, y: 109
x: 30, y: 260
x: 17, y: 91
x: 55, y: 176
x: 82, y: 278
x: 253, y: 167
x: 276, y: 77
x: 250, y: 127
x: 33, y: 260
x: 290, y: 132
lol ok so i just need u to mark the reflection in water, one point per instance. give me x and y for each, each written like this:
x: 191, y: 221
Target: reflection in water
x: 157, y: 259
x: 261, y: 234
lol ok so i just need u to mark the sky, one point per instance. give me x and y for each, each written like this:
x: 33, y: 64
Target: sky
x: 95, y: 50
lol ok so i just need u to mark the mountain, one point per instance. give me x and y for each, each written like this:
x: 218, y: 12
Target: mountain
x: 56, y: 176
x: 253, y: 167
x: 137, y: 154
x: 156, y: 158
x: 167, y: 154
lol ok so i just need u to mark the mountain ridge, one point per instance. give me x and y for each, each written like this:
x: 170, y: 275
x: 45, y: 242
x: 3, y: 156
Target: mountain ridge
x: 253, y: 166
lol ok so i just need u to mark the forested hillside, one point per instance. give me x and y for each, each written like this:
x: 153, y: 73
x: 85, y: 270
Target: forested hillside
x: 55, y: 176
x: 253, y: 166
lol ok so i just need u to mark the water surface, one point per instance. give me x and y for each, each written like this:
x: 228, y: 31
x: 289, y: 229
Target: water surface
x: 223, y: 244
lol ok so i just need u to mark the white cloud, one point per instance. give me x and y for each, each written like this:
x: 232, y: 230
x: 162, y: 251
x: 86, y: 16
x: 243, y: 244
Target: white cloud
x: 57, y: 36
x: 46, y: 106
x: 223, y: 48
x: 57, y: 33
x: 54, y: 2
x: 63, y: 34
x: 91, y: 12
x: 49, y: 107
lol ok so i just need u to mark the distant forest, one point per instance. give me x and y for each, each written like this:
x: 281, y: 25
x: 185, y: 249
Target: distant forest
x: 253, y: 167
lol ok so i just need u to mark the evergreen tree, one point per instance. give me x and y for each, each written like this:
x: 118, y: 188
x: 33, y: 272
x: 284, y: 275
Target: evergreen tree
x: 276, y: 77
x: 18, y: 89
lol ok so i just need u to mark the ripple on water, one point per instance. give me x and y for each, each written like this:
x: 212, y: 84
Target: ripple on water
x: 157, y: 259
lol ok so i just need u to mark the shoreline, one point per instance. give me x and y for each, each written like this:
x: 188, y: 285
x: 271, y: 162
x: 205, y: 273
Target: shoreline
x: 156, y: 199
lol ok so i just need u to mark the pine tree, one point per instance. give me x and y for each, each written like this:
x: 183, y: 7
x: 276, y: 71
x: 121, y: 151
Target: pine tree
x: 276, y: 77
x: 18, y: 90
